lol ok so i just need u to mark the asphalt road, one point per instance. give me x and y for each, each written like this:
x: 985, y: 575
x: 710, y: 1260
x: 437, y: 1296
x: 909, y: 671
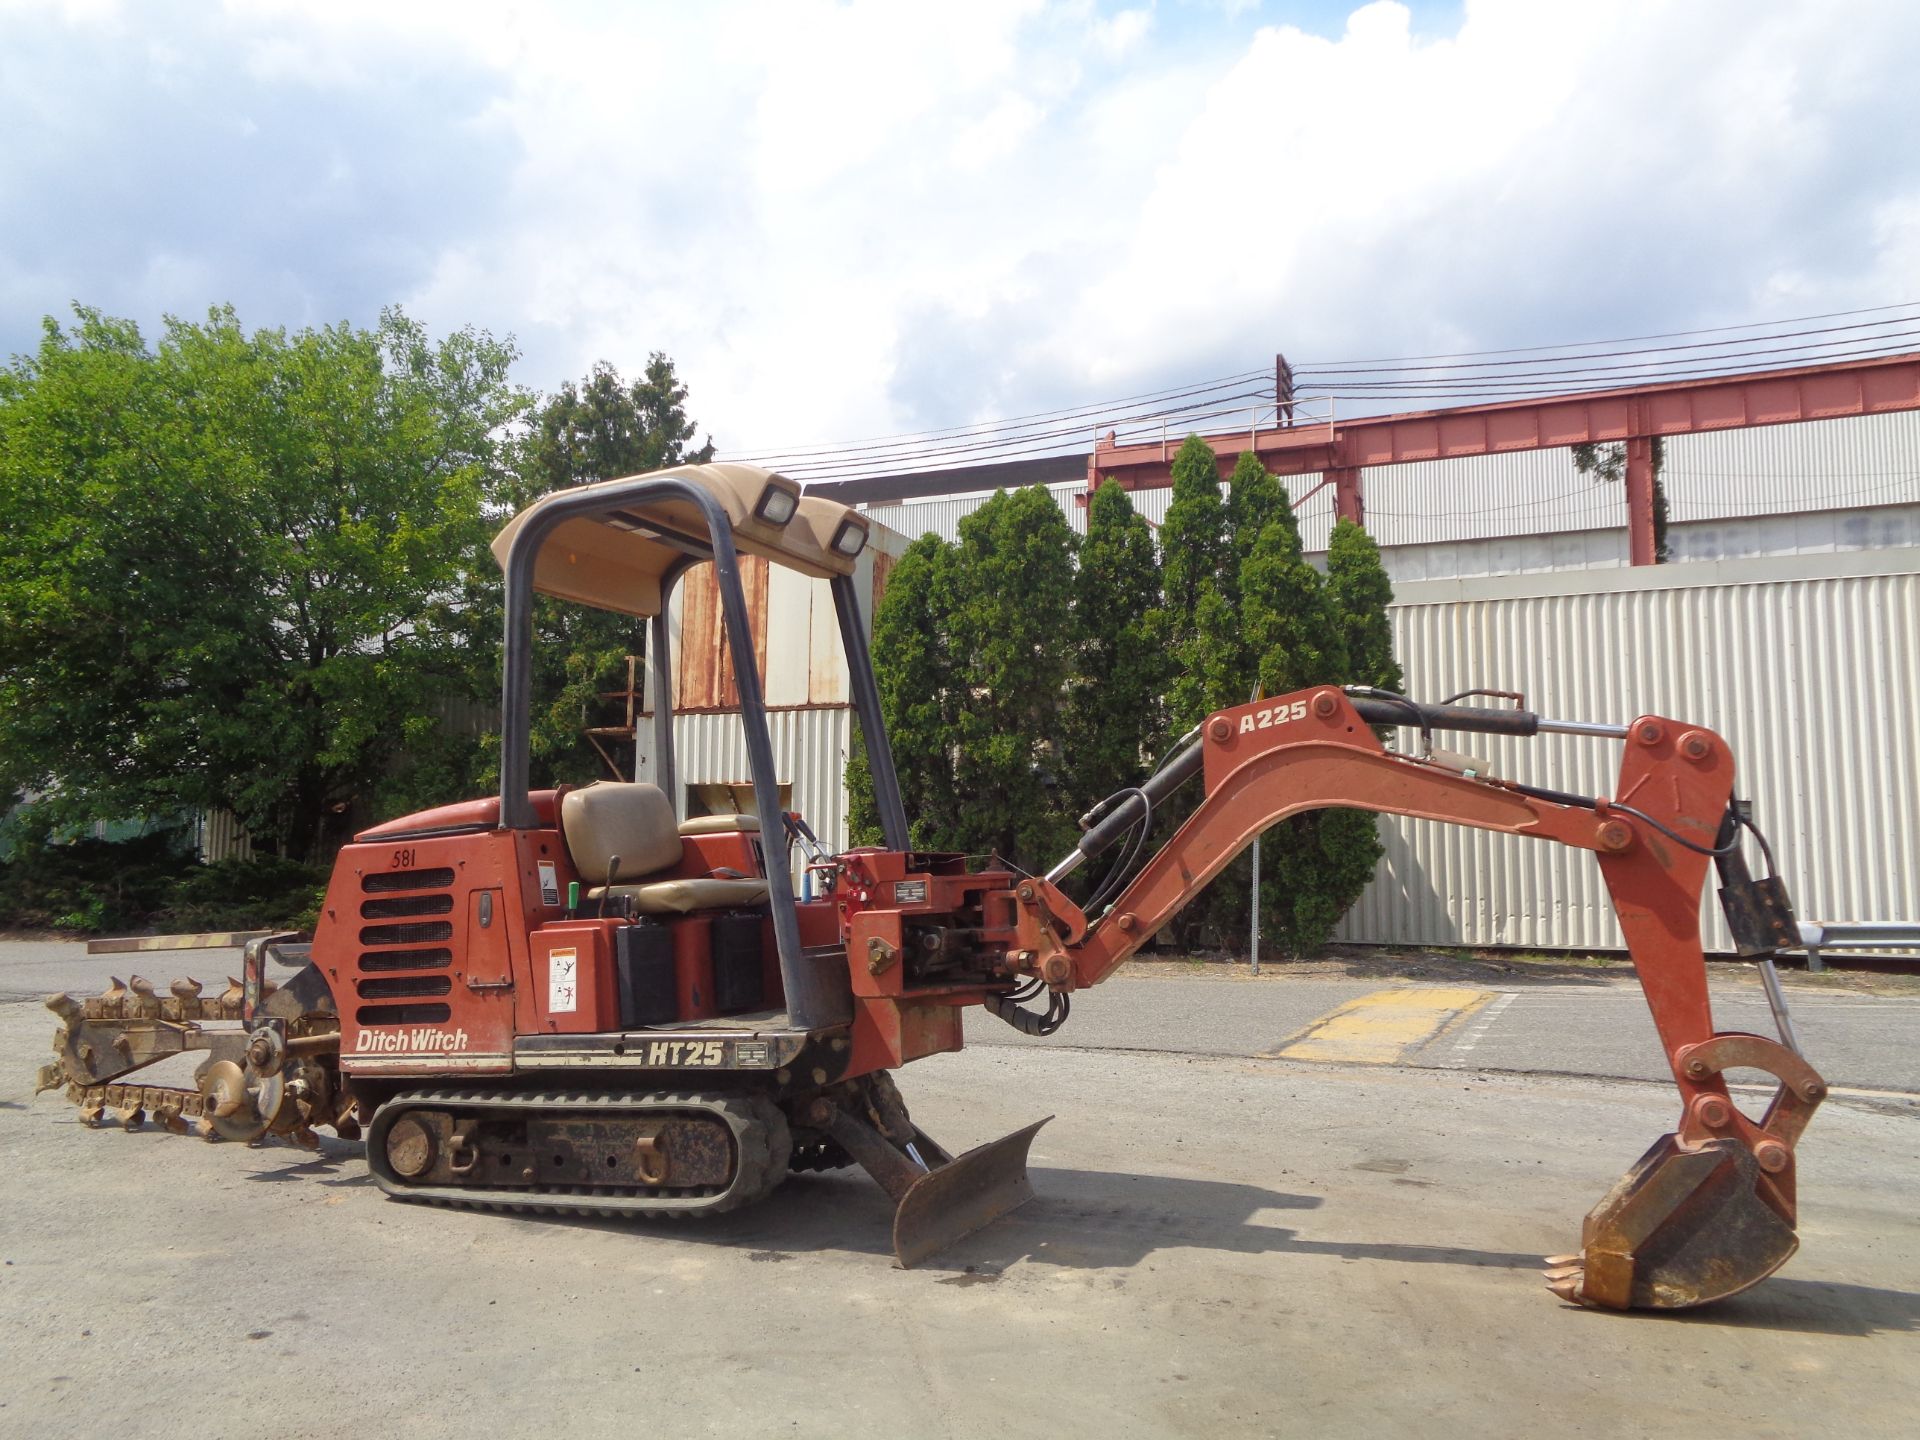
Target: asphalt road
x: 1221, y: 1244
x: 1601, y: 1028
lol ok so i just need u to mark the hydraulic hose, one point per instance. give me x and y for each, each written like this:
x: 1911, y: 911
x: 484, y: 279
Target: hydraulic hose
x: 1105, y: 832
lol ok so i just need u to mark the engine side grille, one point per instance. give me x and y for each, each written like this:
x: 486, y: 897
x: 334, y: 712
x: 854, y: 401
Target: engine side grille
x: 424, y: 1013
x: 402, y: 963
x: 406, y: 934
x: 436, y: 958
x: 393, y: 987
x: 439, y: 904
x: 407, y: 880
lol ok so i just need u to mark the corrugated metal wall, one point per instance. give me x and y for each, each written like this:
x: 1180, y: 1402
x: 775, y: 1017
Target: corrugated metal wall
x: 810, y: 750
x: 1809, y: 666
x: 223, y: 837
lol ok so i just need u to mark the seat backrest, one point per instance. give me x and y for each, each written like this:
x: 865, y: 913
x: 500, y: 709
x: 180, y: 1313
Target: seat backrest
x: 608, y: 819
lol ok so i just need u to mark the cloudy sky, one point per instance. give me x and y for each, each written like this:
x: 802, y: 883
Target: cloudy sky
x: 843, y: 220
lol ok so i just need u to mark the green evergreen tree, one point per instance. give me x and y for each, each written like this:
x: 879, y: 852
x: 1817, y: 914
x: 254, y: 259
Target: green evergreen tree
x: 1253, y: 498
x: 915, y: 666
x: 1358, y: 588
x: 1196, y: 569
x: 1118, y: 690
x: 1014, y: 594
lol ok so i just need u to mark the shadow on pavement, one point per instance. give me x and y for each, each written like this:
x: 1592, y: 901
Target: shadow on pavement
x: 1101, y: 1220
x: 1812, y: 1307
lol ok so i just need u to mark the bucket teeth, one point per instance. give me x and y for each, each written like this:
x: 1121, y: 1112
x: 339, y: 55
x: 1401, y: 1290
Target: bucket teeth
x: 1568, y: 1289
x: 233, y: 994
x: 187, y: 989
x: 1554, y: 1262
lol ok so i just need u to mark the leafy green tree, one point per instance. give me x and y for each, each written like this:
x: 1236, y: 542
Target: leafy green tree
x: 915, y: 665
x: 226, y: 558
x: 1117, y: 693
x: 1014, y: 599
x: 599, y: 429
x: 604, y: 427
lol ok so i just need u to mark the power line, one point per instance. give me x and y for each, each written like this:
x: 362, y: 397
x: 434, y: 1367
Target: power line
x: 1614, y: 354
x: 1635, y: 339
x: 1064, y: 430
x: 1011, y: 422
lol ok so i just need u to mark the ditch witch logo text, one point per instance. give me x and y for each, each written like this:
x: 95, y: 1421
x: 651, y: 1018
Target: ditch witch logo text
x: 442, y: 1041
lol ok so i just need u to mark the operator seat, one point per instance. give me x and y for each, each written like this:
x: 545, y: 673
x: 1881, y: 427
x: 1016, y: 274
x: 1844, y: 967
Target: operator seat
x: 630, y: 829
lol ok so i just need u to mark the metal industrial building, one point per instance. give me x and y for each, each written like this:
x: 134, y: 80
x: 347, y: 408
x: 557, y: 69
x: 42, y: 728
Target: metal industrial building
x: 1796, y: 571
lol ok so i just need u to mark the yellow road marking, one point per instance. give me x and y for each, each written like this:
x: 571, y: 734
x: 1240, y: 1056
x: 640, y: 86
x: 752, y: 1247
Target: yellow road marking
x: 1380, y: 1028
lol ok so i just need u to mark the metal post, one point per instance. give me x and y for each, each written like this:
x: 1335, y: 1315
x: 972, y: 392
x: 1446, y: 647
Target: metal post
x: 1777, y: 1002
x: 873, y: 725
x: 1640, y: 547
x: 1349, y: 501
x: 1256, y: 905
x: 660, y: 662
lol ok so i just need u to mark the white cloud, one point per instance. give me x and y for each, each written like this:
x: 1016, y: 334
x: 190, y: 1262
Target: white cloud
x: 848, y: 219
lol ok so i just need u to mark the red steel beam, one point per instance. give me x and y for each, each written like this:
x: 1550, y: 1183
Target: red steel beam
x: 1340, y: 449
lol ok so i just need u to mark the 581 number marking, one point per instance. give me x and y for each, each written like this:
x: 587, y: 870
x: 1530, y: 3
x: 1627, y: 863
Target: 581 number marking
x: 403, y: 859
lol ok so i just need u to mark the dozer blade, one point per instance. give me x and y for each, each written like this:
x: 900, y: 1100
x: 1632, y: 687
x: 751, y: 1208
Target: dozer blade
x: 1681, y: 1228
x: 958, y: 1198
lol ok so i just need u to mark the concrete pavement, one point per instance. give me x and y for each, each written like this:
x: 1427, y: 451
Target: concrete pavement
x: 1222, y: 1244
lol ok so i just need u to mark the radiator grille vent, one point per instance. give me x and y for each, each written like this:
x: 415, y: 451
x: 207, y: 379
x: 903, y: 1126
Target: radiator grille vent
x: 420, y: 1013
x: 408, y: 880
x: 439, y: 904
x: 406, y: 934
x: 394, y: 987
x: 436, y: 958
x: 397, y: 978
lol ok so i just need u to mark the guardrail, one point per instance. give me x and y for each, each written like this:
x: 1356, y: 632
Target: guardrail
x: 1818, y: 935
x: 1309, y: 415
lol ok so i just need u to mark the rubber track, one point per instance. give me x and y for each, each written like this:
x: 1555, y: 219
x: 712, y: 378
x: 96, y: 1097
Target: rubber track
x: 763, y: 1145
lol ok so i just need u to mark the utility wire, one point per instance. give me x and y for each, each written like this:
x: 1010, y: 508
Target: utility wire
x: 1634, y: 339
x: 1562, y: 369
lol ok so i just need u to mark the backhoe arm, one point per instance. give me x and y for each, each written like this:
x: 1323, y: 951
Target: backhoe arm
x: 1710, y: 1209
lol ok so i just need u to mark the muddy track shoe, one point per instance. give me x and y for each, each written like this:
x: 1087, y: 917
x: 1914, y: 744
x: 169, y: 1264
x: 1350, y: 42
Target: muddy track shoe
x: 606, y: 1153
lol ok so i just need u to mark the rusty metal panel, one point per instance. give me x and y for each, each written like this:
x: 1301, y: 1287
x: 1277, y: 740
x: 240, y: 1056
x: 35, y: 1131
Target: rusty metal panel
x: 753, y: 587
x: 796, y: 635
x: 697, y: 657
x: 1807, y: 665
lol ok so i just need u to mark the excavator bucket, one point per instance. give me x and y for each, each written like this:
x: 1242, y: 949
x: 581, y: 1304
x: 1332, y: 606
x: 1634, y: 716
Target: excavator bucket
x: 953, y: 1200
x: 1682, y: 1227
